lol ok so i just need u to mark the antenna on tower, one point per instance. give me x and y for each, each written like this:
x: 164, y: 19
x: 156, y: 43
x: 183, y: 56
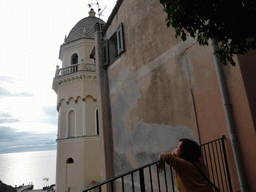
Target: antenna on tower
x: 95, y: 2
x: 100, y: 13
x: 98, y: 26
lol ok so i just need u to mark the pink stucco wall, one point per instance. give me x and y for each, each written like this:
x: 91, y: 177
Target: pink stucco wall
x: 160, y: 85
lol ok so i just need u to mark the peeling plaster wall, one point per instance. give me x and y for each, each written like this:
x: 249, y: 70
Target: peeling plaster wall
x: 151, y: 110
x: 150, y: 93
x: 142, y: 146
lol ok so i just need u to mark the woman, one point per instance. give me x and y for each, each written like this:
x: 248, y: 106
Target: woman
x: 186, y: 159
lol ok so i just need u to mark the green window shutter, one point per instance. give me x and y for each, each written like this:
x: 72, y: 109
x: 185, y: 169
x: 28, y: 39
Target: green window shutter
x: 105, y: 50
x: 120, y: 38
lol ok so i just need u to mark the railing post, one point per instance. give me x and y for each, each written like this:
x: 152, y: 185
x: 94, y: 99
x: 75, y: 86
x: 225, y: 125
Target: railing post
x: 57, y: 71
x: 226, y: 162
x: 81, y: 66
x: 142, y: 181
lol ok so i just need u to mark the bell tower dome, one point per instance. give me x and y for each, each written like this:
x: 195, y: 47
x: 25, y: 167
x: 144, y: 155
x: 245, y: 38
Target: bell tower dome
x: 78, y: 145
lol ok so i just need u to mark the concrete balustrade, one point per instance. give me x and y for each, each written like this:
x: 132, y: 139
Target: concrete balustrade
x: 75, y: 68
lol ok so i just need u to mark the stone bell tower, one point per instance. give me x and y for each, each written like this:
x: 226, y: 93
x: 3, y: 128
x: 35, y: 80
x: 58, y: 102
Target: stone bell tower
x: 78, y: 145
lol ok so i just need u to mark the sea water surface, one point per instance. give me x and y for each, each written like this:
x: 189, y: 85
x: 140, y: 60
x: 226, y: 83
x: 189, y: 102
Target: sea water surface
x: 27, y: 167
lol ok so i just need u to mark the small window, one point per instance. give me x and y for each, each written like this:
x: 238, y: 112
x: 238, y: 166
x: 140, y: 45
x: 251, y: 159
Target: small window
x: 98, y: 27
x: 70, y: 160
x: 114, y: 46
x: 74, y: 59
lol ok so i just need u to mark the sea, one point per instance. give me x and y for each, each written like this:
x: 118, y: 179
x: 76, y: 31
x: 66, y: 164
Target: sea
x: 37, y: 167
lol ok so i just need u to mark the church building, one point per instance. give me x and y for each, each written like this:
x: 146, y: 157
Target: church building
x: 78, y: 145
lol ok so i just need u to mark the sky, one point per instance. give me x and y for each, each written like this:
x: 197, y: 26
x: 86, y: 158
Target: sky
x: 31, y: 32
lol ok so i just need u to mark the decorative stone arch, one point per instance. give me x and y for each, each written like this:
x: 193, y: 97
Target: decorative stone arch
x: 70, y: 100
x: 89, y: 96
x: 74, y: 58
x: 62, y: 101
x: 71, y: 123
x: 78, y: 99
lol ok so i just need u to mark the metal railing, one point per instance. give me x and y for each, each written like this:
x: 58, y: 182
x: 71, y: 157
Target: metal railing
x: 147, y: 178
x: 75, y: 68
x: 217, y: 164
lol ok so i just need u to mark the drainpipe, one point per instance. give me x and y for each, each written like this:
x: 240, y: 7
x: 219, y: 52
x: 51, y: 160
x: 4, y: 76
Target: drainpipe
x: 230, y: 121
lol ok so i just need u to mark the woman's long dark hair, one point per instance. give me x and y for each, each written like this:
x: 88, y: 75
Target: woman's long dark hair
x: 189, y: 150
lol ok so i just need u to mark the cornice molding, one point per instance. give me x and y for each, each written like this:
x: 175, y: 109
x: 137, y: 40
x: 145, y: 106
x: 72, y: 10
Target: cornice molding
x: 77, y: 139
x: 78, y: 76
x: 72, y: 45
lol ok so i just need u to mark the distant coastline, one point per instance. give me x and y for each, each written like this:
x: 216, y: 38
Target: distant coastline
x: 6, y: 188
x: 8, y: 151
x: 25, y: 151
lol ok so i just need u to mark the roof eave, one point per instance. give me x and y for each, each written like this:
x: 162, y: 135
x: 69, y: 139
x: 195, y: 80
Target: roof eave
x: 112, y: 15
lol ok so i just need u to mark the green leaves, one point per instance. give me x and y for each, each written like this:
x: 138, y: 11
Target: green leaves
x: 230, y: 23
x: 183, y: 36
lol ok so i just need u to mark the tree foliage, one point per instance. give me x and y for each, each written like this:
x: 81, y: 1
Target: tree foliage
x: 230, y: 23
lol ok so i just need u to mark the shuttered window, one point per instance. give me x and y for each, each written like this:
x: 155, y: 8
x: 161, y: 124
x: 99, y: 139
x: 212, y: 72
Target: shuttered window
x: 105, y: 53
x: 114, y: 46
x: 120, y: 39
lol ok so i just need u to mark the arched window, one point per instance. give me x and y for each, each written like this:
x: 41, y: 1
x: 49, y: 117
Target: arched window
x: 74, y: 59
x: 70, y: 160
x: 71, y: 123
x: 97, y: 121
x: 98, y: 27
x: 70, y: 171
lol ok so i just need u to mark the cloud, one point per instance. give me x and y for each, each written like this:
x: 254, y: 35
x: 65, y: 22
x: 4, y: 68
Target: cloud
x: 52, y: 115
x: 12, y: 141
x: 50, y: 111
x: 26, y: 94
x: 6, y: 79
x: 8, y: 135
x: 7, y: 118
x: 3, y: 114
x: 5, y: 93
